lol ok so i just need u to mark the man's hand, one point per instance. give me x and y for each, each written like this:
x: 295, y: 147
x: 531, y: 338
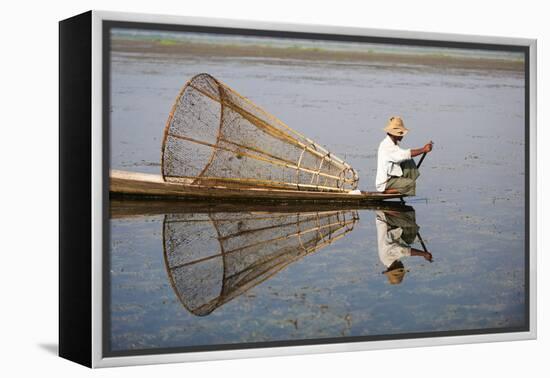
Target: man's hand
x: 417, y: 252
x: 428, y: 147
x: 428, y: 256
x: 422, y: 150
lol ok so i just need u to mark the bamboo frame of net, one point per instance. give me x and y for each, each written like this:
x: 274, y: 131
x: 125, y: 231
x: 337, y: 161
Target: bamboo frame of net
x: 215, y: 136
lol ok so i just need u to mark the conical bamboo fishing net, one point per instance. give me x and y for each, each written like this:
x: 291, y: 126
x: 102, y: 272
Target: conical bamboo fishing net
x: 216, y: 137
x: 213, y: 258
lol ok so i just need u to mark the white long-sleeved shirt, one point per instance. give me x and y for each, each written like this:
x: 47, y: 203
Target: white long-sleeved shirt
x: 390, y: 245
x: 390, y: 155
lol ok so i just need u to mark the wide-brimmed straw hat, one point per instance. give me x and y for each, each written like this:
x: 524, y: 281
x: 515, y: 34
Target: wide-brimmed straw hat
x: 396, y: 127
x: 395, y: 272
x: 395, y: 276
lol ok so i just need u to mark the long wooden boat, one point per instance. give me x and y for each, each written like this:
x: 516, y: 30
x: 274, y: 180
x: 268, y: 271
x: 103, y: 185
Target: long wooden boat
x: 145, y: 185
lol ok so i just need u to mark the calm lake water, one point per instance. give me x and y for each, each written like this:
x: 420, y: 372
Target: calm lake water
x: 469, y: 207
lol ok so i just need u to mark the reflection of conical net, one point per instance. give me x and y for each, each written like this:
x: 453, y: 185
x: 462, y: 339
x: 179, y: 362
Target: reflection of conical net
x: 213, y: 258
x: 214, y: 136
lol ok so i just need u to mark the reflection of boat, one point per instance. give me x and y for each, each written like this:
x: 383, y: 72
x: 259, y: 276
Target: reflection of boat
x: 212, y: 258
x: 126, y: 208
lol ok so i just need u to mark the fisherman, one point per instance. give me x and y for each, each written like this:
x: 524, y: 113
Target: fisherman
x: 396, y: 231
x: 397, y: 171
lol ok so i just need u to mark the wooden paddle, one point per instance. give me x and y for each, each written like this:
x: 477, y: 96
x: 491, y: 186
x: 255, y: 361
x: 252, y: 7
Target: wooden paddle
x: 421, y: 159
x: 418, y: 233
x: 422, y: 242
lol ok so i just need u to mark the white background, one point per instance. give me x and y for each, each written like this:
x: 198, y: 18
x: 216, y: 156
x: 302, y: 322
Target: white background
x: 29, y: 190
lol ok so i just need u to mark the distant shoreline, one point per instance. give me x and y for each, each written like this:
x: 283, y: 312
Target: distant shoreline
x: 184, y: 48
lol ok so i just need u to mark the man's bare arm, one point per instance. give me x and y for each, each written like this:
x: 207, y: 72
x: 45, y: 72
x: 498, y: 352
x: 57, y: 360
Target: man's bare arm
x: 419, y: 151
x: 416, y: 252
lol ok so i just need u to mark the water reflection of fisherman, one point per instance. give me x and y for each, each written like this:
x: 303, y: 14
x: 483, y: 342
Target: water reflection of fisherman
x: 396, y: 231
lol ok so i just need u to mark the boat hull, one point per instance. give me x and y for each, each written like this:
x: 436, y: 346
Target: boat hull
x: 144, y: 185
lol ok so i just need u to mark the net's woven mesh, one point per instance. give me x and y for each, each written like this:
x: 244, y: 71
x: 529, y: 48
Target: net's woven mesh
x: 214, y: 136
x: 213, y: 258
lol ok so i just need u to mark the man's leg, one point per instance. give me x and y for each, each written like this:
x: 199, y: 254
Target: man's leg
x: 403, y: 185
x: 406, y: 220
